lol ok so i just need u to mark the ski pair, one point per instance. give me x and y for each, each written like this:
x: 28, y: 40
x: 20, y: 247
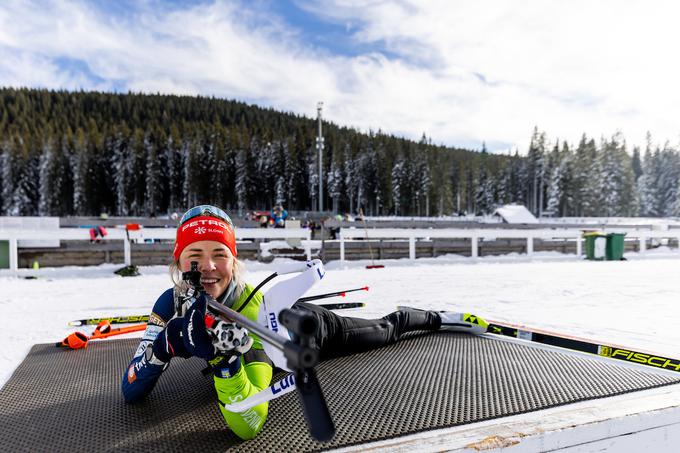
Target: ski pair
x: 145, y: 318
x: 470, y: 323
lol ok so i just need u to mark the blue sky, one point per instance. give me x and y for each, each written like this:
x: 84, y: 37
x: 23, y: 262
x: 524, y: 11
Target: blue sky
x: 463, y: 73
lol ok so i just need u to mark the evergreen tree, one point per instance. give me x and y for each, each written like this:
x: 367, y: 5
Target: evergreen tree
x: 153, y: 175
x: 48, y: 180
x: 668, y: 175
x: 484, y: 196
x: 637, y: 163
x: 79, y: 163
x: 7, y: 174
x: 647, y: 185
x: 536, y: 171
x: 122, y: 166
x: 335, y: 183
x: 398, y: 177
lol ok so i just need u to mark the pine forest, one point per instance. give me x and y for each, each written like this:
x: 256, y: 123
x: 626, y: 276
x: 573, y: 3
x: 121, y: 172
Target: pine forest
x: 86, y: 153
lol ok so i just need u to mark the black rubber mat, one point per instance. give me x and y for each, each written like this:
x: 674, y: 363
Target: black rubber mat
x: 61, y: 400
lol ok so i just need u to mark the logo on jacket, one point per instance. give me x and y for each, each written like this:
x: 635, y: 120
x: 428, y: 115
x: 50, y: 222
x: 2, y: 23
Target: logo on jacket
x: 273, y: 324
x: 131, y: 376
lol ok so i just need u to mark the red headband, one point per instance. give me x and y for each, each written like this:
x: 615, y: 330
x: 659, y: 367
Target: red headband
x: 204, y: 228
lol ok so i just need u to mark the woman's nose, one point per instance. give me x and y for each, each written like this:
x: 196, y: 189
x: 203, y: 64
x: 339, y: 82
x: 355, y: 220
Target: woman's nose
x: 206, y: 264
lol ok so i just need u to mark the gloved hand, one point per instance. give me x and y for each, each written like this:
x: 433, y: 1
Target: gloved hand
x: 229, y: 338
x: 230, y: 341
x: 197, y: 341
x: 169, y: 343
x: 220, y: 338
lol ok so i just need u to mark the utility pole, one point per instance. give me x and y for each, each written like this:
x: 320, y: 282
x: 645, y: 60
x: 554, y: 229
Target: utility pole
x: 319, y: 146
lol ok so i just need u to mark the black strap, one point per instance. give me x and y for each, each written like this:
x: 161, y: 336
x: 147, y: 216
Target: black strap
x: 252, y: 293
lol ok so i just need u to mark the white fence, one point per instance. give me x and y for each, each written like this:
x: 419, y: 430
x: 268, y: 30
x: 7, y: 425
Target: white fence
x: 15, y: 235
x: 490, y: 234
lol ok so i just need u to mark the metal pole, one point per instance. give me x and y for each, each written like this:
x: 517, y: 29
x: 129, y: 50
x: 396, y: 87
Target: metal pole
x: 319, y: 146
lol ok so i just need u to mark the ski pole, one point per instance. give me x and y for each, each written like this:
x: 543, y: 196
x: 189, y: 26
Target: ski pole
x: 78, y: 340
x: 333, y: 294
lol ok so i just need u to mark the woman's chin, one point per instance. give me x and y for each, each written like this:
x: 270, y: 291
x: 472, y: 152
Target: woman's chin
x: 212, y: 290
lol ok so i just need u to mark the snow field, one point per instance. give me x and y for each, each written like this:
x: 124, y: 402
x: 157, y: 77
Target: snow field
x: 634, y: 303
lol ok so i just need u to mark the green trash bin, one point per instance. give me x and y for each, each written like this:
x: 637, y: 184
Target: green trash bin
x: 615, y: 246
x: 4, y: 254
x: 596, y: 245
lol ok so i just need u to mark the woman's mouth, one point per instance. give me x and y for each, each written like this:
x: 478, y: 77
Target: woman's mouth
x: 209, y: 281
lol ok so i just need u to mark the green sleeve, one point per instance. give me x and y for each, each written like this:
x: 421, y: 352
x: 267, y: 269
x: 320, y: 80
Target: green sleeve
x: 252, y: 377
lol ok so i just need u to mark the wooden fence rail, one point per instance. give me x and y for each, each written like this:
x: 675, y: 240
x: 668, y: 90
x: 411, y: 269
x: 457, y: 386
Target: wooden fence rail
x: 15, y: 235
x: 474, y: 235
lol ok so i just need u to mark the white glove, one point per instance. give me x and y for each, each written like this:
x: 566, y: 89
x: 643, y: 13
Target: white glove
x: 229, y: 338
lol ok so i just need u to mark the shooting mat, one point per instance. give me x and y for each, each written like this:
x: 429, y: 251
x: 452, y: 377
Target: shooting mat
x: 70, y: 400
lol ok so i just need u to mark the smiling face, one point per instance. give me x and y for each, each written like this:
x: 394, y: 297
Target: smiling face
x: 215, y: 263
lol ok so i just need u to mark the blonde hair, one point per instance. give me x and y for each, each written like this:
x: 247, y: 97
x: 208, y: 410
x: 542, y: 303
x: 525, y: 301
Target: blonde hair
x: 238, y: 271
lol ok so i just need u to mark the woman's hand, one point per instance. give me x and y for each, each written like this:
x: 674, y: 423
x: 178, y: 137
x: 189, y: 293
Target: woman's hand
x: 229, y: 338
x: 169, y: 343
x: 197, y: 340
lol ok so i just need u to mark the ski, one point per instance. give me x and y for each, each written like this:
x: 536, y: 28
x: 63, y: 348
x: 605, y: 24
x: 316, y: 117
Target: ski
x: 470, y: 323
x: 112, y: 319
x: 145, y: 318
x: 582, y: 345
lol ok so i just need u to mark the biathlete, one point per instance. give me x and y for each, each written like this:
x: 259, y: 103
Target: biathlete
x: 176, y: 326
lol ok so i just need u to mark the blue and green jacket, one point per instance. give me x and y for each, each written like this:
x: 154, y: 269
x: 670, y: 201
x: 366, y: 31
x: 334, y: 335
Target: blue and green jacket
x: 253, y: 373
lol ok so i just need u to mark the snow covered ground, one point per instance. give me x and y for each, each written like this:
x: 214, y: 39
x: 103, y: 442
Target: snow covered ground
x: 635, y: 303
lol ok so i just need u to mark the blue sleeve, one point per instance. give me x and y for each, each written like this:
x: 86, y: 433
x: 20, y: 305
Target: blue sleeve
x: 141, y: 375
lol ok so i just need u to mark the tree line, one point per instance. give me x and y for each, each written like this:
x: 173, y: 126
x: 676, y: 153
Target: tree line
x: 85, y: 153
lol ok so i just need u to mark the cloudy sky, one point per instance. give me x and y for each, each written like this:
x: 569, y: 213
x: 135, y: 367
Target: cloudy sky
x: 461, y: 72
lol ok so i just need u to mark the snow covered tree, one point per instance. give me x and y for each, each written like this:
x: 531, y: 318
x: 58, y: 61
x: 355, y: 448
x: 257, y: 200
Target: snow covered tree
x: 616, y: 178
x: 398, y: 180
x: 667, y: 184
x: 560, y: 185
x: 423, y: 183
x: 7, y: 174
x: 282, y: 189
x: 242, y: 180
x: 485, y: 193
x: 46, y: 182
x: 647, y: 187
x: 586, y: 177
x: 335, y: 183
x: 536, y: 171
x: 25, y: 196
x: 79, y: 161
x: 171, y: 171
x: 122, y: 166
x: 351, y: 178
x: 153, y: 174
x: 188, y: 171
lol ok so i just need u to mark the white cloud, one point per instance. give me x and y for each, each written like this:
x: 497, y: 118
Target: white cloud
x: 462, y: 72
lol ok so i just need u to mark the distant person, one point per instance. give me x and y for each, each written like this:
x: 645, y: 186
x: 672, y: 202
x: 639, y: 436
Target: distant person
x: 97, y: 234
x: 264, y: 221
x: 279, y: 215
x: 177, y: 328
